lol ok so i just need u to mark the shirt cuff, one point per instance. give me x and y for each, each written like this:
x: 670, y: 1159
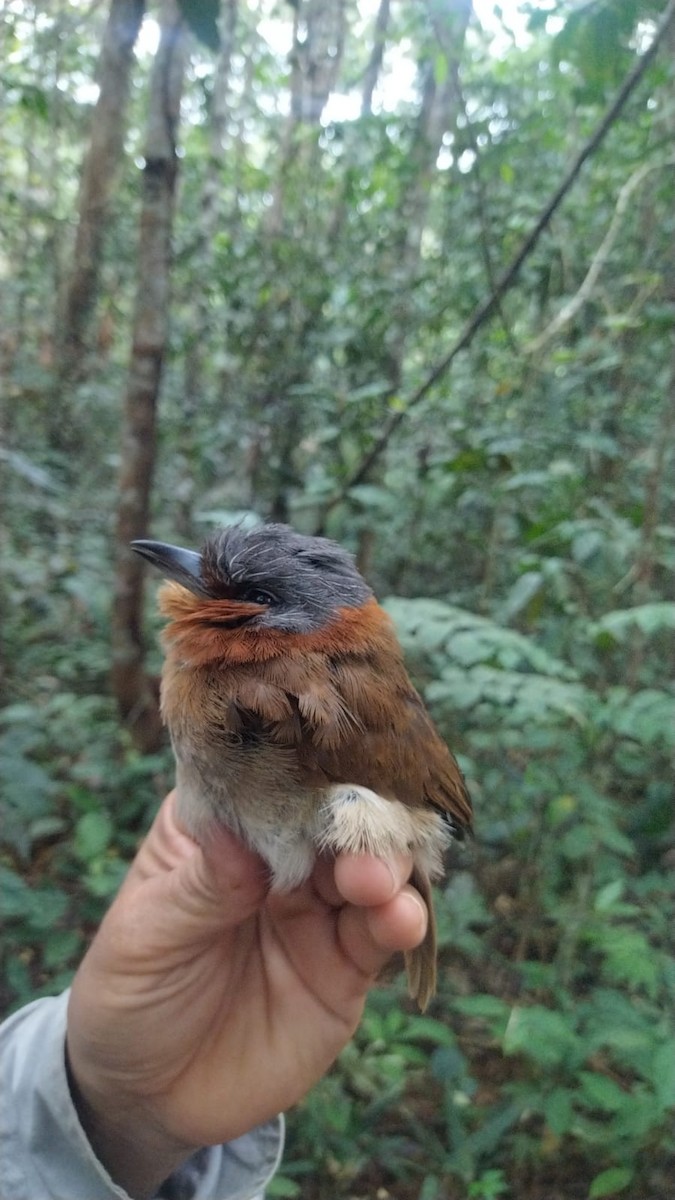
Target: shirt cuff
x: 44, y: 1152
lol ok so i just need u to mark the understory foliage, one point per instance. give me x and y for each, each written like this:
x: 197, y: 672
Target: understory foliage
x: 516, y: 521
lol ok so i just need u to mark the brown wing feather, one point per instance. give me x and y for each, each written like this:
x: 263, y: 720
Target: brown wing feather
x: 393, y: 746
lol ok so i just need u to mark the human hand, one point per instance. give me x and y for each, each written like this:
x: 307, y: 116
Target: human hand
x: 206, y: 1005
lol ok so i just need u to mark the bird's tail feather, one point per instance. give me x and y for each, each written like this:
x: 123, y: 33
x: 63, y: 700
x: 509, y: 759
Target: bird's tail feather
x: 420, y: 963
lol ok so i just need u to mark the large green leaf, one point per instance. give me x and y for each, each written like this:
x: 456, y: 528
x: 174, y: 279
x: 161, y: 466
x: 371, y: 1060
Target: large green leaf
x: 622, y: 623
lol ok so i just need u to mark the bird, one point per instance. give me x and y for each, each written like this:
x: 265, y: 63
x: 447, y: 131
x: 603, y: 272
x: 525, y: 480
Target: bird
x: 293, y: 720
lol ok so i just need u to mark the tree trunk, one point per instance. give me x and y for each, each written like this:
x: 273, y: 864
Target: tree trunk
x: 319, y: 28
x: 372, y: 73
x: 438, y: 116
x: 133, y: 692
x: 98, y: 176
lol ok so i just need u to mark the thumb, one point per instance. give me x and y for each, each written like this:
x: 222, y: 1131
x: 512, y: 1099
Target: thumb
x: 193, y: 892
x: 221, y: 884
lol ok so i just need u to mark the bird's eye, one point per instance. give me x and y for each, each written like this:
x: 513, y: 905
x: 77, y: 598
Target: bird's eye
x: 258, y: 596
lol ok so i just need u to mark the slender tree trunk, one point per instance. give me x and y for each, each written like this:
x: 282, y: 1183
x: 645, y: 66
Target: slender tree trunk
x: 316, y: 58
x: 99, y: 171
x: 135, y: 698
x: 372, y: 73
x: 441, y: 104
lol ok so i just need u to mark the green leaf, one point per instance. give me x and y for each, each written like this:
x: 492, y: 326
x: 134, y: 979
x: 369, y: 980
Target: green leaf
x: 650, y: 619
x: 448, y: 1064
x: 512, y: 698
x: 281, y: 1185
x: 490, y: 1185
x: 13, y: 893
x: 490, y: 1007
x: 540, y: 1034
x: 35, y: 101
x: 490, y: 1132
x: 558, y: 1110
x: 646, y: 717
x: 61, y: 947
x: 471, y: 459
x: 608, y: 895
x: 105, y: 876
x: 374, y: 499
x: 610, y: 1182
x: 93, y: 833
x: 598, y: 1091
x: 427, y: 1029
x: 587, y: 545
x: 431, y: 1188
x: 628, y: 957
x: 369, y: 391
x: 524, y: 590
x: 663, y: 1074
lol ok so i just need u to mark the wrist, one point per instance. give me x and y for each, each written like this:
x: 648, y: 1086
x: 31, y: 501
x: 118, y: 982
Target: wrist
x: 125, y: 1135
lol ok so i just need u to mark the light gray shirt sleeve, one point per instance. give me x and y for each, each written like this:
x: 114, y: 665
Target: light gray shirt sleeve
x: 44, y: 1152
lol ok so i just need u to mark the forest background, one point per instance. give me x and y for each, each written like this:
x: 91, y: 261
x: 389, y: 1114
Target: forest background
x: 403, y: 274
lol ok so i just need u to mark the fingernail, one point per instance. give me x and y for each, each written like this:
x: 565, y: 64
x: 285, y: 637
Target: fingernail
x: 396, y: 881
x: 419, y: 905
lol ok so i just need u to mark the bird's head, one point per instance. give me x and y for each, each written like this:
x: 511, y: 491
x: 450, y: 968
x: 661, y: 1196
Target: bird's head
x: 268, y: 577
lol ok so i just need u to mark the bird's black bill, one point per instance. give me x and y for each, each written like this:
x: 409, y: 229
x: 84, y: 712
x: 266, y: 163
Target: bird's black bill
x: 183, y: 566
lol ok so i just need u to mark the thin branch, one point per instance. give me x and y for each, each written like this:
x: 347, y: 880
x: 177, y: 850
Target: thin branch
x: 599, y: 261
x: 508, y: 277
